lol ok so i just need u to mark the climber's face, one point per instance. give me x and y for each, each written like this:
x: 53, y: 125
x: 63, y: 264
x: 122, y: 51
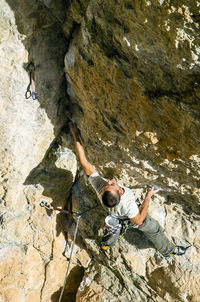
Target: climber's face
x: 112, y: 186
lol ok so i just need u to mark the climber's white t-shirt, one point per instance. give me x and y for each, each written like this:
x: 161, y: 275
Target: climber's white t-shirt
x: 127, y: 206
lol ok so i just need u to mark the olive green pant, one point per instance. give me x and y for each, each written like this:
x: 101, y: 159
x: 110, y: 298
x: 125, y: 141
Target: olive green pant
x: 153, y: 231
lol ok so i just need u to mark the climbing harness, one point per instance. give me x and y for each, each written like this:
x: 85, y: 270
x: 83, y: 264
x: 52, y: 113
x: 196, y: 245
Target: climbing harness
x: 118, y: 226
x: 113, y: 224
x: 126, y: 224
x: 115, y: 227
x: 31, y: 91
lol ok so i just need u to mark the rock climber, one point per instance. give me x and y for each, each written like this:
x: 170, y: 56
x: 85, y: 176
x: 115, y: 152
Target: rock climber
x: 119, y: 203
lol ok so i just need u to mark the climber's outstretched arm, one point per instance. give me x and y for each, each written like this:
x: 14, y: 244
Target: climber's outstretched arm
x: 87, y: 167
x: 143, y: 208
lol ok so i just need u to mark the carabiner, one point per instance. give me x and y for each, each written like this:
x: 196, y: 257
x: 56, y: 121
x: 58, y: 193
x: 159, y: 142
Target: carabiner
x: 45, y: 204
x: 28, y: 94
x: 35, y: 95
x: 30, y: 67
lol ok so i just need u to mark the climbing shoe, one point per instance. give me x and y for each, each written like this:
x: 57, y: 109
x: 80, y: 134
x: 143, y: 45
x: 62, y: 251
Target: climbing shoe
x: 179, y: 250
x: 104, y: 248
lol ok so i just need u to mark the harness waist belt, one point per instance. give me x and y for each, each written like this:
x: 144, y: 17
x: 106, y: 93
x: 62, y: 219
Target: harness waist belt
x: 139, y: 225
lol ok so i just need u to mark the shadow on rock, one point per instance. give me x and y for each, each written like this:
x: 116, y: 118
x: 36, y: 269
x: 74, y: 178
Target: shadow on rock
x: 85, y: 201
x: 43, y: 38
x: 138, y: 239
x: 73, y: 281
x: 56, y: 183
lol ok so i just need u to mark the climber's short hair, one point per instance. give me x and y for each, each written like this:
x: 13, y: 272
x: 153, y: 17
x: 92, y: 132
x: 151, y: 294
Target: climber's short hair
x: 110, y: 199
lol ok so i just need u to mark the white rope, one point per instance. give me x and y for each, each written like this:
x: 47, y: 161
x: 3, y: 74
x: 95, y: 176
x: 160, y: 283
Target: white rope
x: 70, y: 258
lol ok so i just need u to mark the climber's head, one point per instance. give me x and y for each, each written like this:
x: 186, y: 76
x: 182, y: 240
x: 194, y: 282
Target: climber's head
x: 111, y: 193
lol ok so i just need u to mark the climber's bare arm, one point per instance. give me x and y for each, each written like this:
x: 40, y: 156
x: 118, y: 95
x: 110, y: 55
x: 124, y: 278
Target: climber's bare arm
x: 140, y: 217
x: 87, y: 167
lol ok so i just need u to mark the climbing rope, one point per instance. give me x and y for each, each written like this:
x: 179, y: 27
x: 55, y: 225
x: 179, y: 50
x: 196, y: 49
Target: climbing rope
x: 70, y: 258
x: 46, y: 205
x: 31, y: 91
x: 78, y: 216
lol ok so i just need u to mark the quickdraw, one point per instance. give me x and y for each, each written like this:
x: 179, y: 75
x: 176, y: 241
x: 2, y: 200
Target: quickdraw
x: 31, y: 91
x: 44, y: 203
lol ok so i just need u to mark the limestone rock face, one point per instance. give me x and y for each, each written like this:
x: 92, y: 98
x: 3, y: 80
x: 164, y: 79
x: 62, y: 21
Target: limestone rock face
x: 30, y: 32
x: 128, y: 73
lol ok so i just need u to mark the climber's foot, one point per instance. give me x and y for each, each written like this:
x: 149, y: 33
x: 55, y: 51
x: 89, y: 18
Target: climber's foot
x: 104, y: 248
x: 179, y: 250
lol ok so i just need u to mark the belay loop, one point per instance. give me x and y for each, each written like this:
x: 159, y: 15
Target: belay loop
x: 31, y: 91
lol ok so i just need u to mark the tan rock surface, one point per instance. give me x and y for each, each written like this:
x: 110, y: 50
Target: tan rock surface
x: 132, y: 86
